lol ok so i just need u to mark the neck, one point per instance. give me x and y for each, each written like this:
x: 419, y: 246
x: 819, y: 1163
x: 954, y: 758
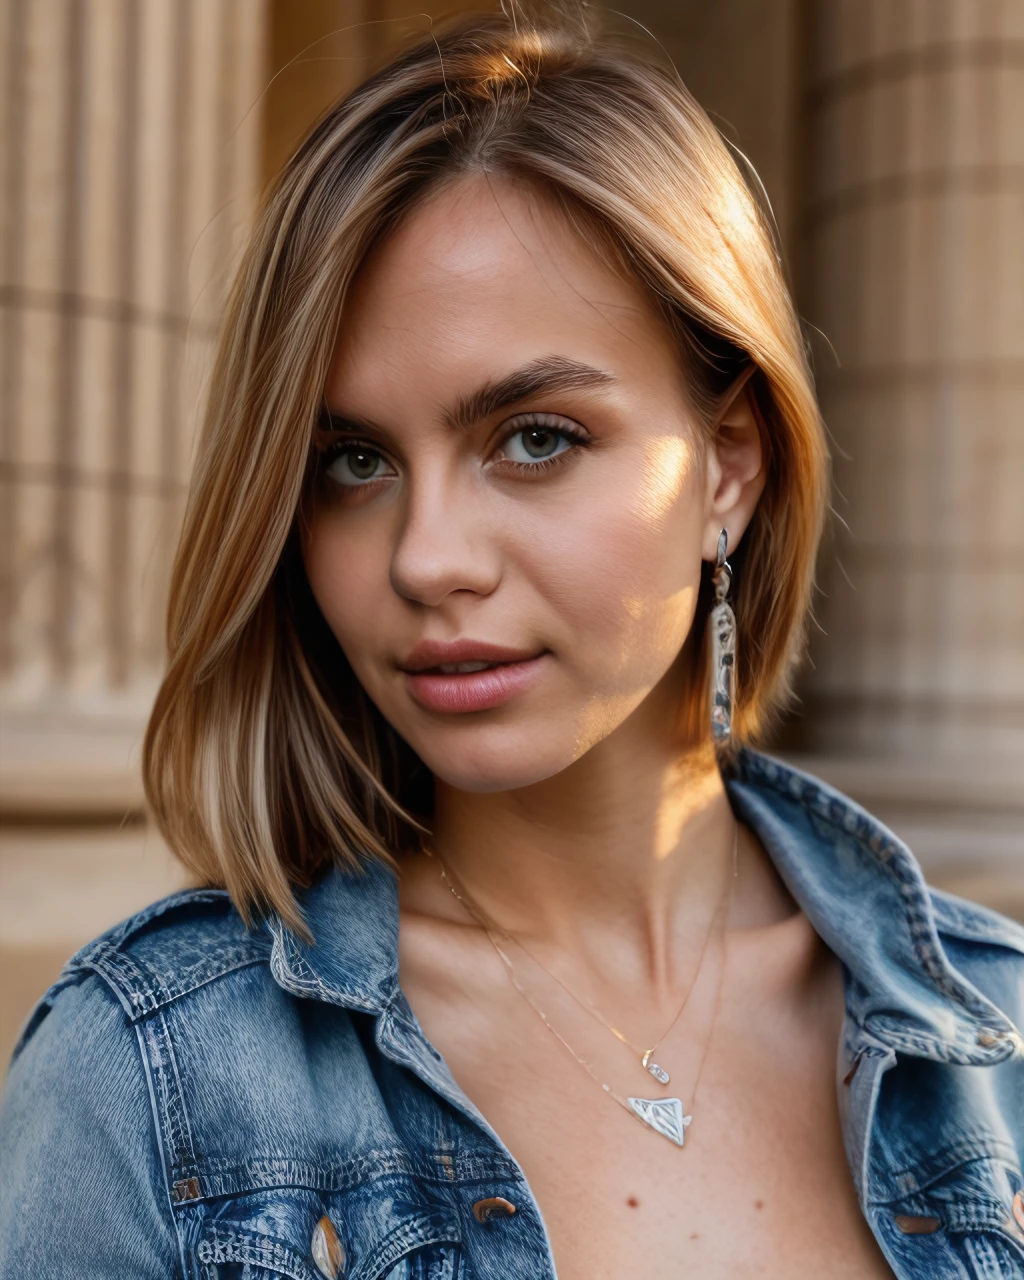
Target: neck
x: 623, y: 857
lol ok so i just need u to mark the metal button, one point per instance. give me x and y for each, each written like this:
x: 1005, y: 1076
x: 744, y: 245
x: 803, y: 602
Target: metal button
x: 914, y: 1225
x: 1018, y: 1209
x: 493, y: 1207
x: 328, y: 1252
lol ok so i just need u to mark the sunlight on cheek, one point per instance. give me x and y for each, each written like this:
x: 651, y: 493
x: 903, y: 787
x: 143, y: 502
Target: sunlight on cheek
x: 665, y: 470
x: 598, y: 717
x: 678, y: 609
x: 637, y: 607
x: 665, y: 613
x: 644, y: 652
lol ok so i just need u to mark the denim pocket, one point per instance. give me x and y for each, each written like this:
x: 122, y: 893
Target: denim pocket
x: 260, y: 1258
x: 272, y: 1235
x: 960, y: 1222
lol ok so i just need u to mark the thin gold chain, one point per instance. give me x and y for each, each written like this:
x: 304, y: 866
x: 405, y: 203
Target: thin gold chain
x: 488, y: 923
x: 510, y: 969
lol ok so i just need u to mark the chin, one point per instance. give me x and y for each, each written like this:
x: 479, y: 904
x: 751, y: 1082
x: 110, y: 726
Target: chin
x: 501, y: 760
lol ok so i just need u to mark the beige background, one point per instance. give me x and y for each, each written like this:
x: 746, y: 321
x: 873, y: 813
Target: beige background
x: 135, y: 137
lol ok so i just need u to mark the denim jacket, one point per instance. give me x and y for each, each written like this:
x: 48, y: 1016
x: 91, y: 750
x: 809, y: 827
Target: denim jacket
x: 193, y: 1099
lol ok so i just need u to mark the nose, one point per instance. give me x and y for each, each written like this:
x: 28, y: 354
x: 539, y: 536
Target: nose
x: 444, y: 545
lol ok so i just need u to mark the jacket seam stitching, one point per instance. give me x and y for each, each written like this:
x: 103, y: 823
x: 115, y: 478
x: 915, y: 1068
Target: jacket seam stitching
x: 186, y: 1127
x: 123, y: 973
x: 957, y: 1155
x: 168, y: 1093
x: 163, y: 996
x: 291, y: 971
x: 140, y: 1042
x: 146, y: 997
x: 225, y: 1177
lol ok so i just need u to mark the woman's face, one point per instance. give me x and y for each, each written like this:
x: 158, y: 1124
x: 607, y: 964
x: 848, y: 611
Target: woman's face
x: 512, y: 478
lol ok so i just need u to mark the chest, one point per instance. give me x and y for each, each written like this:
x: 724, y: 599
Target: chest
x: 614, y: 1201
x: 761, y: 1185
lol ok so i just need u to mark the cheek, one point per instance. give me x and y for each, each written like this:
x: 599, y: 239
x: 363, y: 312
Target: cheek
x: 344, y: 572
x: 627, y: 578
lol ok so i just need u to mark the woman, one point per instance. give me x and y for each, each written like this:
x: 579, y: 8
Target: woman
x: 496, y: 565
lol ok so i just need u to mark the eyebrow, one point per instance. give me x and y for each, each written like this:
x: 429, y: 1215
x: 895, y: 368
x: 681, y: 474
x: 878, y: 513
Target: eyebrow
x: 542, y: 376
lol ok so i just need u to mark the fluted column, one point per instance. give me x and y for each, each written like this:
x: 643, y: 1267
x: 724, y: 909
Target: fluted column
x: 130, y: 161
x: 914, y: 226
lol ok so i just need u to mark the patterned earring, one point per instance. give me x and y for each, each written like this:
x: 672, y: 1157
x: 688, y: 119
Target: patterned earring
x: 722, y: 625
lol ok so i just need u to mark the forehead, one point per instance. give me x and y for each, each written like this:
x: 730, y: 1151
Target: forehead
x: 485, y: 275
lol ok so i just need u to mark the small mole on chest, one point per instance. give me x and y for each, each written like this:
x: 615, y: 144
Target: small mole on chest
x: 633, y: 1202
x: 758, y: 1204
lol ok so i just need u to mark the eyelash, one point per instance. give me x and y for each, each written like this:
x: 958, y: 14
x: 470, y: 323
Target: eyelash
x: 559, y: 426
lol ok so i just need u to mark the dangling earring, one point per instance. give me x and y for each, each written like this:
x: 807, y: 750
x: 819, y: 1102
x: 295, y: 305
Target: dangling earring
x: 722, y: 625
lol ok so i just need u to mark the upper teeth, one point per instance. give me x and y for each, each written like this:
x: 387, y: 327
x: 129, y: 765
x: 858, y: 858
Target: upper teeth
x: 453, y: 668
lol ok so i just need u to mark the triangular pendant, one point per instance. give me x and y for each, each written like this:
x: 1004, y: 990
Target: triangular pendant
x: 664, y: 1115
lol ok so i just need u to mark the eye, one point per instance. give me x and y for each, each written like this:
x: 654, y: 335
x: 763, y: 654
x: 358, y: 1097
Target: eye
x: 541, y: 438
x: 356, y: 464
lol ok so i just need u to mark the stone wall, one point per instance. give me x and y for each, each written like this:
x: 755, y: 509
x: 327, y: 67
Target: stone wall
x: 911, y: 222
x: 129, y: 168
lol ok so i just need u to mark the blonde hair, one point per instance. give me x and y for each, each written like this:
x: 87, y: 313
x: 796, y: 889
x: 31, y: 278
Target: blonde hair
x: 264, y: 760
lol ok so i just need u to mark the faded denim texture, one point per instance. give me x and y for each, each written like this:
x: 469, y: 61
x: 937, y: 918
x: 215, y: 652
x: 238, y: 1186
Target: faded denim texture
x: 190, y: 1098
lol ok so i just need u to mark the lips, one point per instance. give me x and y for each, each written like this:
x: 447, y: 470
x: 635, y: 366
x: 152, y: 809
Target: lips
x: 432, y: 654
x: 468, y: 675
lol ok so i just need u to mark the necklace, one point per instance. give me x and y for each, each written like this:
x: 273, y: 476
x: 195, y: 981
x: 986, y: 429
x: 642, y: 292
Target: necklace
x: 645, y: 1056
x: 663, y: 1115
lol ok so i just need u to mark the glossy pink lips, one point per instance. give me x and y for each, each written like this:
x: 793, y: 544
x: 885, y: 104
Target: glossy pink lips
x: 473, y: 690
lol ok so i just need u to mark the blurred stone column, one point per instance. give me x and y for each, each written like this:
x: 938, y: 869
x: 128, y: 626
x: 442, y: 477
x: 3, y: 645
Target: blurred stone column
x: 914, y: 227
x: 129, y: 166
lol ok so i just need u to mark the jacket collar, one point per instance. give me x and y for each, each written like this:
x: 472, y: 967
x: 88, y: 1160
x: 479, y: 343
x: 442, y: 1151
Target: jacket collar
x: 353, y: 960
x: 856, y: 881
x: 864, y: 893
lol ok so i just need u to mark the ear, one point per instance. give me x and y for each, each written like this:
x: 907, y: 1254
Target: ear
x: 735, y: 471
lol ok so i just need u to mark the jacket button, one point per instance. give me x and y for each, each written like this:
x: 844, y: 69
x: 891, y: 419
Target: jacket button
x: 328, y: 1251
x: 493, y: 1207
x: 1018, y: 1209
x: 914, y: 1225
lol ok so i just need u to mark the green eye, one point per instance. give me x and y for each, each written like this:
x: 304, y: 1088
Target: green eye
x: 537, y: 443
x: 356, y: 464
